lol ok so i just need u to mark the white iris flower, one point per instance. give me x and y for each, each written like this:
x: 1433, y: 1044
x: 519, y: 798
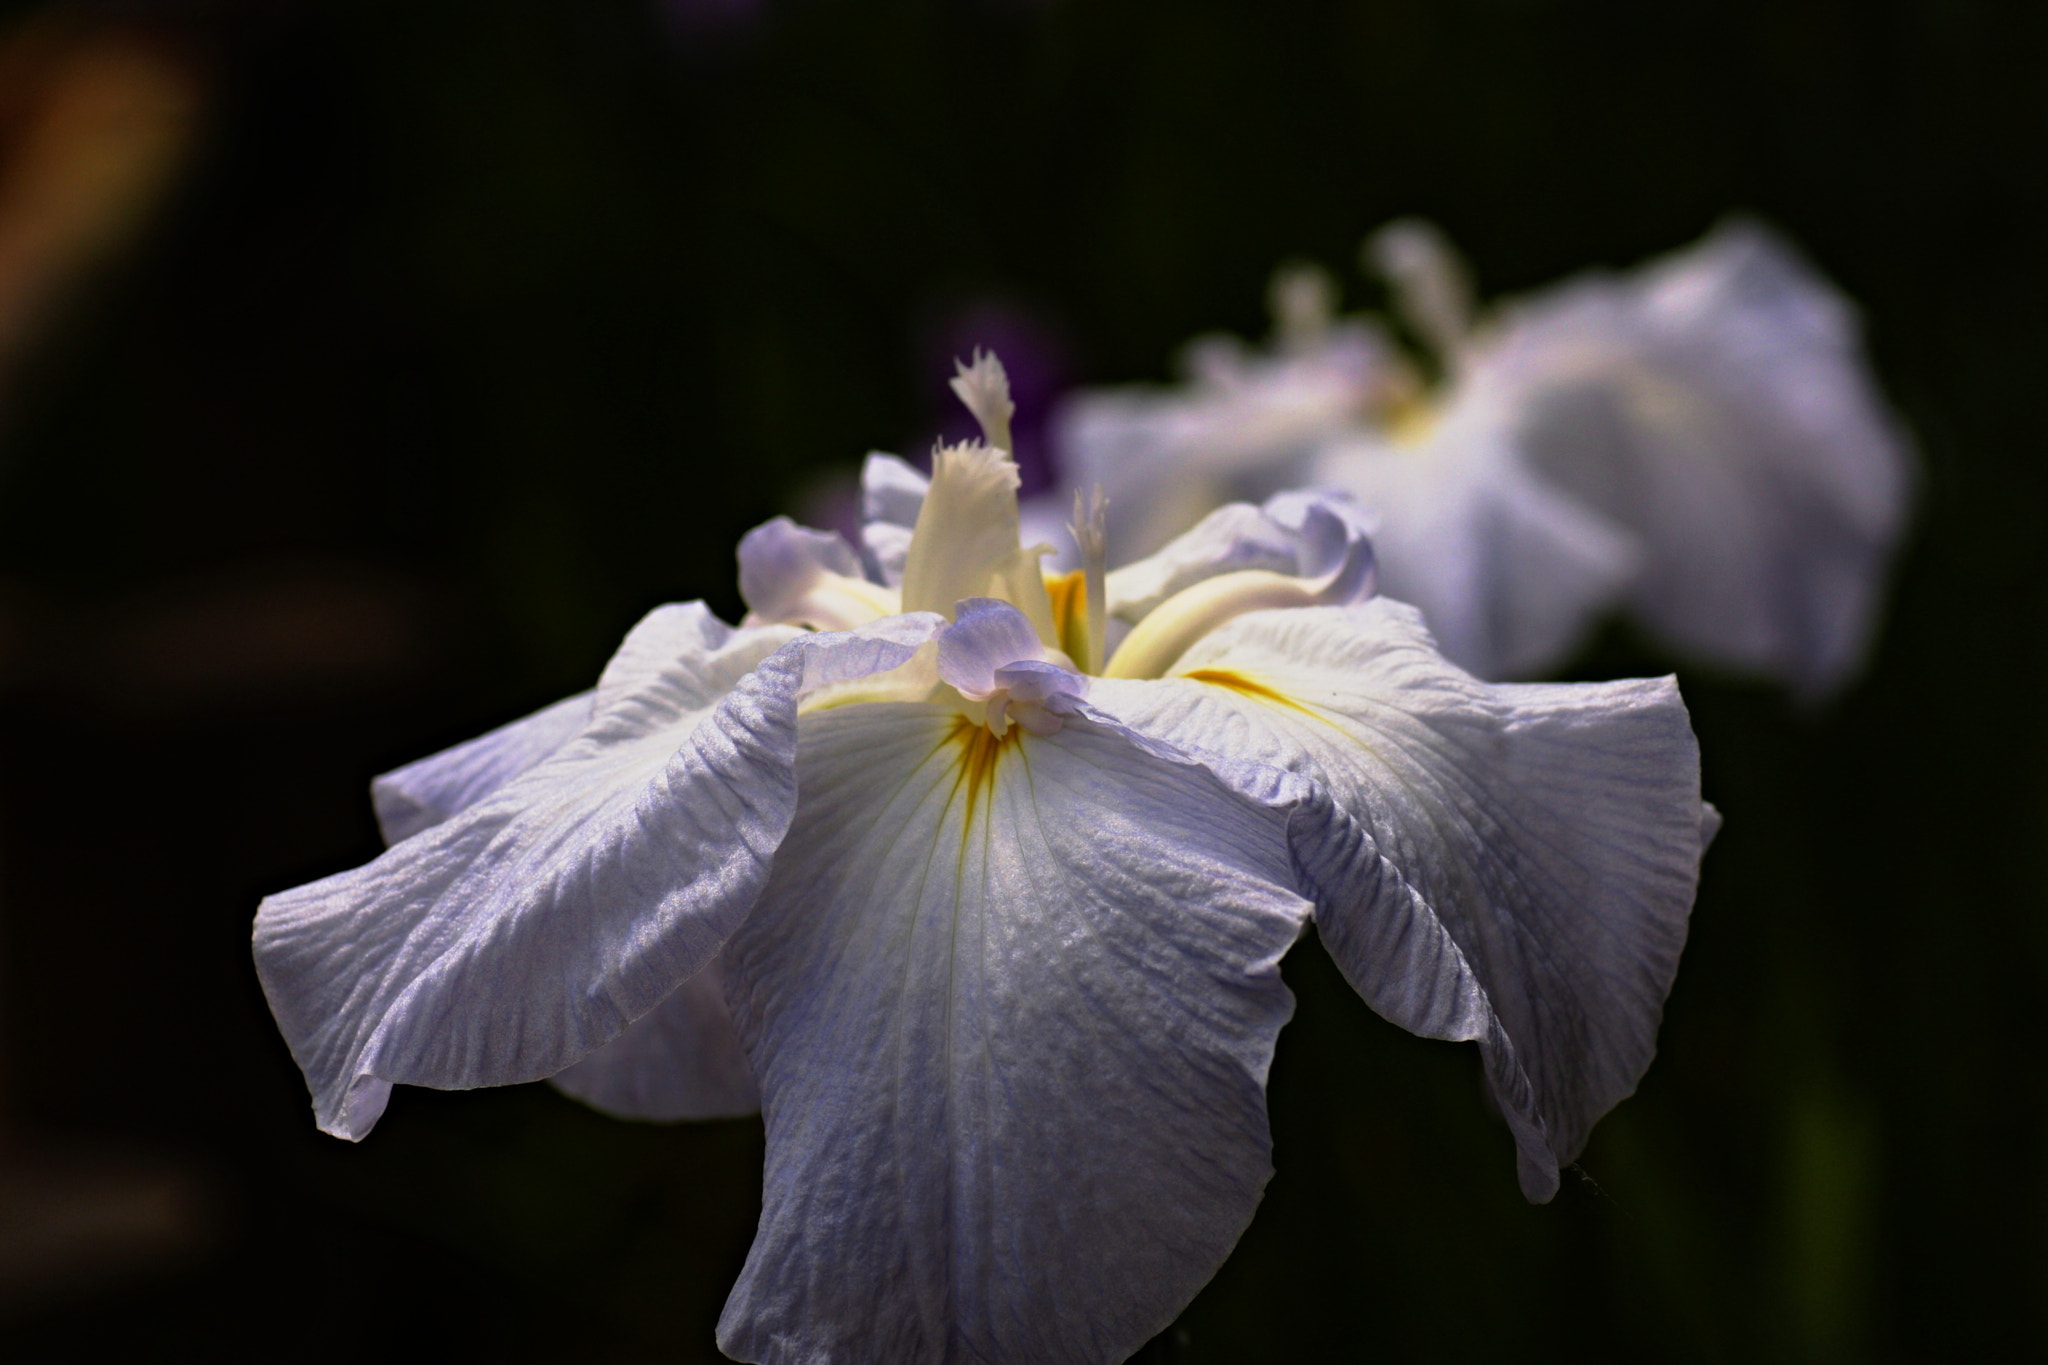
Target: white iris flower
x: 1698, y: 442
x: 977, y: 881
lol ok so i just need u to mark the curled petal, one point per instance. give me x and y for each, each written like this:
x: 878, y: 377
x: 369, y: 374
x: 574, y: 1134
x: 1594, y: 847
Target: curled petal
x: 986, y: 635
x: 1512, y: 865
x: 1037, y: 682
x: 1303, y: 534
x: 1333, y: 543
x: 1012, y: 1006
x: 793, y: 575
x: 1334, y: 562
x: 1234, y: 537
x: 524, y: 933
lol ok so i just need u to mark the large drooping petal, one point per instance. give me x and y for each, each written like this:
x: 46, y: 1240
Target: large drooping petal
x: 1011, y: 1004
x: 680, y: 1060
x: 1511, y: 864
x: 427, y: 791
x: 1718, y: 405
x: 522, y: 934
x: 1509, y: 572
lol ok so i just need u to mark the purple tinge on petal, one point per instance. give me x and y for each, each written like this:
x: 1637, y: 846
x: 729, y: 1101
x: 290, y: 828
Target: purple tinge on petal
x: 987, y: 634
x: 780, y: 560
x: 1333, y: 540
x: 891, y: 496
x: 1037, y: 682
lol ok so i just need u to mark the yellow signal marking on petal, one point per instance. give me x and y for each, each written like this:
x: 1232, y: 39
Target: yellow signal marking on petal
x: 980, y: 752
x: 1069, y: 594
x: 1411, y: 420
x: 1239, y: 683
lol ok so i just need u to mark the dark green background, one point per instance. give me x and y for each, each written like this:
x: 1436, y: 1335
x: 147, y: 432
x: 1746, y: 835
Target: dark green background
x: 519, y: 312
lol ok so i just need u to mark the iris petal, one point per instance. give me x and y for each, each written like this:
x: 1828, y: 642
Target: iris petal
x: 1510, y: 573
x: 1012, y: 1005
x: 521, y: 935
x: 427, y: 791
x: 680, y: 1060
x: 1507, y: 864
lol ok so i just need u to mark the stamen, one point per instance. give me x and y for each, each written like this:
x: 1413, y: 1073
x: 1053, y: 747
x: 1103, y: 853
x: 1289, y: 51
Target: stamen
x: 985, y: 388
x: 1302, y: 299
x: 1432, y: 287
x: 1091, y: 534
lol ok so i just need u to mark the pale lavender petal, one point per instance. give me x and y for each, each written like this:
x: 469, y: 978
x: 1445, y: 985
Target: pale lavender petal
x: 1718, y: 405
x: 678, y: 630
x: 1509, y: 864
x: 798, y: 576
x: 680, y: 1060
x: 519, y: 936
x: 1510, y: 573
x: 986, y: 635
x: 1012, y: 1028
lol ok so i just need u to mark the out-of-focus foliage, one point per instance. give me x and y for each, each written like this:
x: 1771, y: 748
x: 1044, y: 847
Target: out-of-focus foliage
x: 471, y: 330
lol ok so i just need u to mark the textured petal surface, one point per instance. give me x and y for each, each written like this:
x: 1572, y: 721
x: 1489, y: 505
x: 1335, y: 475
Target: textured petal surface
x: 427, y: 791
x: 1718, y: 405
x: 676, y: 631
x: 519, y: 936
x: 1012, y: 1007
x: 1508, y: 864
x: 680, y: 1060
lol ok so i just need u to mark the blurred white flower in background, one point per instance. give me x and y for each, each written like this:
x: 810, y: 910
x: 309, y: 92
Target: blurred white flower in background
x: 1697, y: 442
